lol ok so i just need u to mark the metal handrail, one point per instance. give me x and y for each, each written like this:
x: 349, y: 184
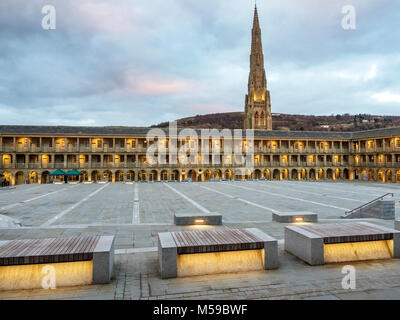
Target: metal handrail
x: 368, y: 203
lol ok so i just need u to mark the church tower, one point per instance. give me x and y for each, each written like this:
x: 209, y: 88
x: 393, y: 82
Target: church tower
x: 258, y: 102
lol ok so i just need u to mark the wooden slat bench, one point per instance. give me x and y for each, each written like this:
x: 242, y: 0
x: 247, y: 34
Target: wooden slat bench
x: 76, y: 261
x: 199, y: 252
x: 317, y: 244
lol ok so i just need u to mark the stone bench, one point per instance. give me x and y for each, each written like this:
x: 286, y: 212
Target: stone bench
x: 318, y: 244
x: 292, y: 217
x: 186, y: 219
x: 200, y: 252
x: 74, y: 261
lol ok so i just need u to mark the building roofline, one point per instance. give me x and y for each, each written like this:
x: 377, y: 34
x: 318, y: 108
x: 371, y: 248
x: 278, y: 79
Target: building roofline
x: 127, y: 131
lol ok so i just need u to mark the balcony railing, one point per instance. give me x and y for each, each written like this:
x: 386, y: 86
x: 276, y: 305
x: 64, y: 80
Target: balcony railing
x: 84, y: 149
x: 34, y: 165
x: 7, y: 148
x: 46, y: 148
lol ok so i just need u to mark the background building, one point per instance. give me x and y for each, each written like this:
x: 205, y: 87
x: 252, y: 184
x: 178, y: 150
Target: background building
x: 29, y: 154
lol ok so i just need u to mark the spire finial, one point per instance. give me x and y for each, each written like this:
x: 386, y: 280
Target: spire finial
x: 256, y: 24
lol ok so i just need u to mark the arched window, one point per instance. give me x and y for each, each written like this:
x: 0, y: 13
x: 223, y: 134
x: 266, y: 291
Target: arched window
x: 262, y: 119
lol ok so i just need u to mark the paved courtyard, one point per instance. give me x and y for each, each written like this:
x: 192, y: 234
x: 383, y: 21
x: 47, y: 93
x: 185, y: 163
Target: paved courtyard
x: 136, y: 213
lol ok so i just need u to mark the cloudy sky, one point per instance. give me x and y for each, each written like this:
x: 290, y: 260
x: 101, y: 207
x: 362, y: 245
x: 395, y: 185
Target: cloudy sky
x: 137, y: 63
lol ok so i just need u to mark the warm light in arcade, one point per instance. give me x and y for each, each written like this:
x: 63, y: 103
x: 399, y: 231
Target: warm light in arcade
x: 299, y: 219
x: 199, y: 221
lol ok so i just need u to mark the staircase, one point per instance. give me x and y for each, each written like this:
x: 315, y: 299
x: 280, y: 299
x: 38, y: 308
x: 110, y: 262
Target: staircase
x: 377, y: 208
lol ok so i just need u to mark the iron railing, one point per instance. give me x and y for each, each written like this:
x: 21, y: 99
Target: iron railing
x: 368, y: 203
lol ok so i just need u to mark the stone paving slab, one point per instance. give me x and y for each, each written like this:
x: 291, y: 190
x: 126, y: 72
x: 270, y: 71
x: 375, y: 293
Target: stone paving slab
x: 136, y: 274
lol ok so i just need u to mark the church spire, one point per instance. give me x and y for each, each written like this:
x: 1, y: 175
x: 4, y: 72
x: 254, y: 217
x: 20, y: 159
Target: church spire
x: 258, y: 106
x: 256, y: 23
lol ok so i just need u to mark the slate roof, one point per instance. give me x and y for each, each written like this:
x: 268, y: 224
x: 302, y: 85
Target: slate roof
x: 133, y: 131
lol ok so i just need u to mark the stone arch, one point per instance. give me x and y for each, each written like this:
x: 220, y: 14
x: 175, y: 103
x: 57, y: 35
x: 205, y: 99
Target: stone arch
x: 303, y: 174
x: 329, y: 174
x: 267, y: 174
x: 184, y: 174
x: 207, y: 175
x: 285, y: 174
x: 354, y: 174
x: 33, y: 177
x: 45, y: 177
x: 84, y: 176
x: 398, y: 176
x: 95, y: 176
x: 119, y: 176
x: 164, y: 175
x: 130, y: 175
x: 346, y: 174
x: 381, y: 176
x: 336, y: 174
x: 142, y: 176
x: 371, y: 175
x: 276, y: 175
x: 192, y: 174
x: 217, y: 174
x: 364, y: 174
x: 257, y: 174
x: 6, y: 180
x: 153, y: 175
x: 175, y: 175
x: 388, y: 175
x: 228, y: 174
x: 295, y: 174
x: 312, y: 175
x: 320, y: 174
x: 108, y: 175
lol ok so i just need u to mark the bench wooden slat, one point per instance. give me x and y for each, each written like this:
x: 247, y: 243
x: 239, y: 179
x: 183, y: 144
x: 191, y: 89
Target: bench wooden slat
x: 10, y: 247
x: 348, y: 232
x: 202, y: 241
x: 87, y: 250
x: 52, y: 250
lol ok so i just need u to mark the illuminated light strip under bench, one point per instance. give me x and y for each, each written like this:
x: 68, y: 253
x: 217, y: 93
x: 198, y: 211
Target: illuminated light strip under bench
x: 201, y: 252
x: 186, y: 219
x: 25, y: 264
x: 318, y: 244
x: 292, y: 217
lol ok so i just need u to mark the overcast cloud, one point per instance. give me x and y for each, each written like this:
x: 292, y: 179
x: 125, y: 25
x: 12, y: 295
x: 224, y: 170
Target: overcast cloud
x: 138, y: 63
